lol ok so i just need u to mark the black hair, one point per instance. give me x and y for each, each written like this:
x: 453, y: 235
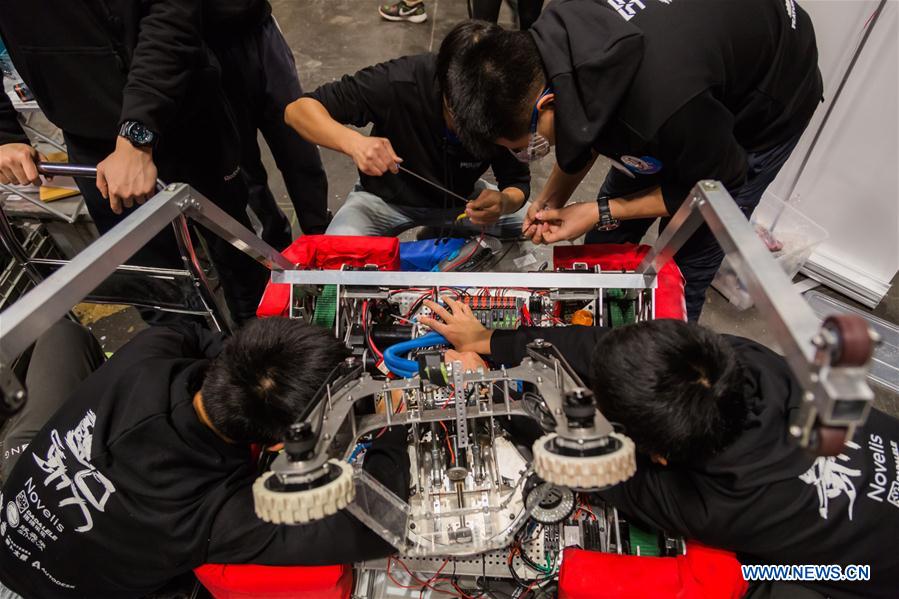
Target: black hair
x: 265, y: 376
x: 489, y: 77
x: 676, y: 388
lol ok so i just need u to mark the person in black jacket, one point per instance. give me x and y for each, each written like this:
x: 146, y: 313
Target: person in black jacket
x: 145, y: 470
x: 403, y: 99
x: 669, y: 92
x: 709, y: 415
x: 260, y: 78
x: 135, y: 92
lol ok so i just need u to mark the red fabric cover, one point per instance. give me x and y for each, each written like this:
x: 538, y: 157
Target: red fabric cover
x: 703, y: 573
x: 627, y: 256
x: 329, y: 252
x: 238, y: 581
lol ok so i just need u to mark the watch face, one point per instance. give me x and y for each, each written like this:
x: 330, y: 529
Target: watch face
x: 139, y: 134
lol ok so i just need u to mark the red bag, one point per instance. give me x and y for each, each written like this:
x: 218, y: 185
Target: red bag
x: 669, y: 300
x: 703, y: 573
x: 248, y: 581
x: 329, y: 252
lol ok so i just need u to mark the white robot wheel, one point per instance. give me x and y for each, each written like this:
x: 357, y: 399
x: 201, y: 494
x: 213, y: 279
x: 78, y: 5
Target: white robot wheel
x: 305, y: 505
x: 584, y: 472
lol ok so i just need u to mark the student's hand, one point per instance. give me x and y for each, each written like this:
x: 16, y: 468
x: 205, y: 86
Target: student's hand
x: 569, y: 222
x: 127, y: 176
x: 470, y: 360
x: 489, y: 206
x: 532, y: 227
x: 18, y: 164
x: 374, y: 155
x: 459, y: 326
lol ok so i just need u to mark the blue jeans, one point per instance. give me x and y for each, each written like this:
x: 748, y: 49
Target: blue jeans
x: 366, y: 214
x: 700, y: 256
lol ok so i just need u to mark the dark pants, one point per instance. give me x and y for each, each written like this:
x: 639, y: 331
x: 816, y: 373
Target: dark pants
x: 198, y: 154
x: 260, y: 78
x: 61, y: 358
x: 488, y: 10
x: 700, y: 256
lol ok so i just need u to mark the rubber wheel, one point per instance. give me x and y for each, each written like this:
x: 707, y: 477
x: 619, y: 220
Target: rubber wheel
x: 308, y: 505
x: 585, y: 472
x: 855, y: 346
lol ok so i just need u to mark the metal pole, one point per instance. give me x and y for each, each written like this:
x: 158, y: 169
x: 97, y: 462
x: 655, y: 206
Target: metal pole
x: 202, y: 210
x: 37, y: 310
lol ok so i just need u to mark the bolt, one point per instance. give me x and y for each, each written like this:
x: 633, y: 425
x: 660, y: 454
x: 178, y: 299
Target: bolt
x: 20, y: 394
x: 511, y: 516
x: 539, y: 380
x: 818, y: 340
x: 796, y: 431
x: 808, y: 396
x: 814, y: 378
x: 709, y: 185
x: 539, y: 342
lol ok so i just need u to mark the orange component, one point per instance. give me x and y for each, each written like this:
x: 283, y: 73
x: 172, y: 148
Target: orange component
x: 583, y: 318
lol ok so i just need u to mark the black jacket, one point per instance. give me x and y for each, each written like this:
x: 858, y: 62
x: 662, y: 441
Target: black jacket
x: 124, y: 488
x: 692, y: 84
x: 226, y: 21
x: 402, y: 99
x: 92, y: 64
x: 763, y: 497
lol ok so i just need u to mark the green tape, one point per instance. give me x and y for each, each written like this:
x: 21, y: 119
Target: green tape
x: 326, y: 307
x: 646, y: 541
x: 622, y: 311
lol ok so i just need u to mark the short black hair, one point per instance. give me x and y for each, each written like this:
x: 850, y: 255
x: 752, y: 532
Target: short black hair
x: 491, y: 76
x: 265, y: 376
x: 675, y: 387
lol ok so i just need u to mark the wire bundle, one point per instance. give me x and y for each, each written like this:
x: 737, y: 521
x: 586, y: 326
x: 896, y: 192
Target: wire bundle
x: 403, y: 366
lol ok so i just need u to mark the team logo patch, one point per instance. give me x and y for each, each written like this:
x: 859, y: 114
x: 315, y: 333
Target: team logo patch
x: 644, y: 165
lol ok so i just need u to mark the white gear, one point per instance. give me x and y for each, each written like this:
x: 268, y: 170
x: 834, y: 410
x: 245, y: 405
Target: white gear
x: 298, y: 507
x: 584, y: 472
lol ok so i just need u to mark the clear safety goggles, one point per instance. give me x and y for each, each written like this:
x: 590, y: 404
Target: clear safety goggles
x: 538, y: 146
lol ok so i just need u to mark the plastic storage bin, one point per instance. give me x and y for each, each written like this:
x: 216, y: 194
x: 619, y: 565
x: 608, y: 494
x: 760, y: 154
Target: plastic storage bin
x: 796, y: 234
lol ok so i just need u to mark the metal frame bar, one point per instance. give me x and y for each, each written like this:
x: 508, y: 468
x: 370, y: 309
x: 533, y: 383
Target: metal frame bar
x: 796, y: 328
x: 36, y: 311
x: 369, y: 278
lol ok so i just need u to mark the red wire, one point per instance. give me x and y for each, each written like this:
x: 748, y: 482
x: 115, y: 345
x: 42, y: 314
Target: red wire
x: 422, y: 584
x: 448, y: 444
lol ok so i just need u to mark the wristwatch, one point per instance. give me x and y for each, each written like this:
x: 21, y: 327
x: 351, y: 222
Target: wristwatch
x: 137, y: 133
x: 606, y: 222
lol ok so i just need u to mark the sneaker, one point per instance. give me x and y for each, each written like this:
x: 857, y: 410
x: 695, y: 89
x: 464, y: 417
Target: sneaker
x: 403, y: 12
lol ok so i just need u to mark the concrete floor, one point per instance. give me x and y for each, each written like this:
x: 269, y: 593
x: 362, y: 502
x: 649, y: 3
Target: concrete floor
x: 331, y: 38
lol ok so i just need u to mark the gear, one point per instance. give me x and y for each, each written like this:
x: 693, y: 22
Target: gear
x: 307, y: 505
x: 588, y: 471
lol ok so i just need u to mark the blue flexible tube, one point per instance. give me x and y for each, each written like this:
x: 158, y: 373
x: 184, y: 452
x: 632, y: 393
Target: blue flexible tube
x: 402, y: 366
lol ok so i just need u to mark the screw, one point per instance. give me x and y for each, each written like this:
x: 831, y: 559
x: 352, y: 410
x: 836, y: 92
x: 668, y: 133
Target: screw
x: 20, y: 394
x: 808, y: 396
x: 709, y: 185
x: 796, y: 431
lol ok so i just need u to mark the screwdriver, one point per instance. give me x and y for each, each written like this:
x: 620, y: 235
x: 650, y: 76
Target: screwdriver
x: 436, y: 186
